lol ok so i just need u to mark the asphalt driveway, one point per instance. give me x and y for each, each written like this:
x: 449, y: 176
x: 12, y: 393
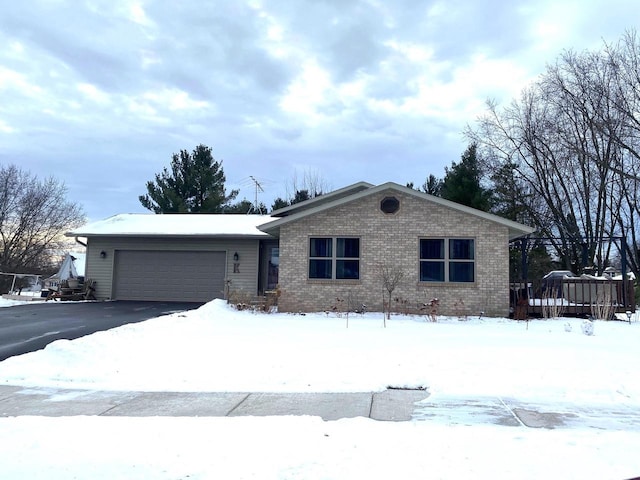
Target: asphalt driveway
x: 30, y: 327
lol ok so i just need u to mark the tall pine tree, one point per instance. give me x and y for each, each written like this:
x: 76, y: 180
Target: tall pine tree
x: 508, y: 193
x: 463, y: 182
x: 194, y: 184
x: 432, y: 185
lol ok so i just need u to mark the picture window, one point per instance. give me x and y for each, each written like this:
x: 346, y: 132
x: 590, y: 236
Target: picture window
x: 447, y: 260
x: 334, y: 258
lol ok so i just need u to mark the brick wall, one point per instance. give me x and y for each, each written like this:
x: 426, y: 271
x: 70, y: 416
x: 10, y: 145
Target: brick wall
x: 394, y: 239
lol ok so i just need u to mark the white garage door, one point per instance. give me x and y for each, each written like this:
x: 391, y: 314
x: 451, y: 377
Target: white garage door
x: 169, y: 275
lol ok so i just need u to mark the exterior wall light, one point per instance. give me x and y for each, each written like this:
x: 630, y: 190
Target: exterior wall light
x: 103, y: 254
x: 236, y: 257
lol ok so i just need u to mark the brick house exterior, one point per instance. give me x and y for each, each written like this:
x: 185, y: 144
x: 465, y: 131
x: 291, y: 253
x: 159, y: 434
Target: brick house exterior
x: 417, y: 235
x: 329, y: 247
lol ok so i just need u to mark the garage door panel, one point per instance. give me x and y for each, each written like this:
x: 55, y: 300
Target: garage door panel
x: 169, y: 275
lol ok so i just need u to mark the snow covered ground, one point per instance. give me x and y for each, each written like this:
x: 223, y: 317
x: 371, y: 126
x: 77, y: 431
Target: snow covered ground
x: 216, y: 349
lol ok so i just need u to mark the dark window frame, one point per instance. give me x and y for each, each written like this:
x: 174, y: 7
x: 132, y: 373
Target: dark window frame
x: 339, y: 261
x: 443, y: 260
x: 389, y: 205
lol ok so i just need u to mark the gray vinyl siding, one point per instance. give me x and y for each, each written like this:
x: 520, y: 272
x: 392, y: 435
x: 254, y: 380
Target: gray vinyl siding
x: 102, y: 269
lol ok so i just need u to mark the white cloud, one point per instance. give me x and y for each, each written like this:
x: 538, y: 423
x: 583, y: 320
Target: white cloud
x: 93, y: 93
x: 4, y: 128
x: 138, y: 15
x: 173, y: 99
x: 307, y: 92
x: 18, y: 84
x: 338, y: 85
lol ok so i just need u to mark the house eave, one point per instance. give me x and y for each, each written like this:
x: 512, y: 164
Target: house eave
x: 516, y: 230
x: 168, y: 235
x: 325, y: 198
x: 174, y: 226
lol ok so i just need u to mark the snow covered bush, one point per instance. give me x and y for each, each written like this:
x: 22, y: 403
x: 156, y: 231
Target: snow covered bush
x: 587, y: 327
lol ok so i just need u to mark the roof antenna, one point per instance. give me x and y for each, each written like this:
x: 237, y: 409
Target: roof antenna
x: 256, y: 207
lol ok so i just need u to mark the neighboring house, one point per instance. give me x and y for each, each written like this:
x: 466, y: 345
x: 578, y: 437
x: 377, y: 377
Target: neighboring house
x: 328, y: 247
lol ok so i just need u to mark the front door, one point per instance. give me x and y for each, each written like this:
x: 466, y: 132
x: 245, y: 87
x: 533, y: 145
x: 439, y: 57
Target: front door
x: 273, y: 255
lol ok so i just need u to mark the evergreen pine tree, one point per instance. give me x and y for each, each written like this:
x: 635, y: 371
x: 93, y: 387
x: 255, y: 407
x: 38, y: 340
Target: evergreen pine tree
x: 462, y: 182
x: 195, y: 184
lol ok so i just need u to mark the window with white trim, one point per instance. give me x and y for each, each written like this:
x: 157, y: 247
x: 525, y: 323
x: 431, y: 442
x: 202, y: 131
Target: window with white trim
x: 334, y: 258
x: 447, y: 260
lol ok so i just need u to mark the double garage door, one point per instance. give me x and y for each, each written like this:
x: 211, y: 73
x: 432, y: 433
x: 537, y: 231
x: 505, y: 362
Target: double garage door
x: 169, y: 275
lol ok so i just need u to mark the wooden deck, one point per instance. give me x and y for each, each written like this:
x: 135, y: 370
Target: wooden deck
x: 574, y: 297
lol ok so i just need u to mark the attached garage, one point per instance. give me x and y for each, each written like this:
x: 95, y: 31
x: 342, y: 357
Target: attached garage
x: 175, y: 257
x: 169, y: 275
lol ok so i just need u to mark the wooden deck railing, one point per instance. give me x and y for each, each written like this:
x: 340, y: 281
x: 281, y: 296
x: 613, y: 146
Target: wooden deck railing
x: 572, y: 296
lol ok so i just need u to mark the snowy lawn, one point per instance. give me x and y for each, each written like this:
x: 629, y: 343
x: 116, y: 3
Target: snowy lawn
x: 216, y: 348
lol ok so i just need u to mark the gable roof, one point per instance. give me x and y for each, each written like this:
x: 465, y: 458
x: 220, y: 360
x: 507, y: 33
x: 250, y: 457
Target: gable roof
x: 363, y: 189
x: 150, y: 224
x: 322, y: 199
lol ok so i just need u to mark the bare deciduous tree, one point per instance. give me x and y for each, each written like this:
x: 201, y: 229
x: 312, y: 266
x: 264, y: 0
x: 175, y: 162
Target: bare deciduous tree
x: 572, y: 144
x: 310, y: 181
x: 390, y: 275
x: 34, y: 215
x: 624, y: 95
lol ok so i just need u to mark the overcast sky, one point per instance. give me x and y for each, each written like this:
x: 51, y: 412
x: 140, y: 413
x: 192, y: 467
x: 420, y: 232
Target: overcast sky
x: 100, y: 93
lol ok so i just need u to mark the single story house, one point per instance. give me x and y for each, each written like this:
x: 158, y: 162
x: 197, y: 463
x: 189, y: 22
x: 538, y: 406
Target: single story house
x: 332, y: 246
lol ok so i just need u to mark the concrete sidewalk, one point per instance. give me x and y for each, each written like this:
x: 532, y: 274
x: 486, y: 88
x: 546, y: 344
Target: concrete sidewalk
x: 513, y: 412
x: 389, y: 405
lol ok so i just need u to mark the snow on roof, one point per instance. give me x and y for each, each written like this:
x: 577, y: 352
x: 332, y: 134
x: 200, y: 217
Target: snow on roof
x: 137, y: 224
